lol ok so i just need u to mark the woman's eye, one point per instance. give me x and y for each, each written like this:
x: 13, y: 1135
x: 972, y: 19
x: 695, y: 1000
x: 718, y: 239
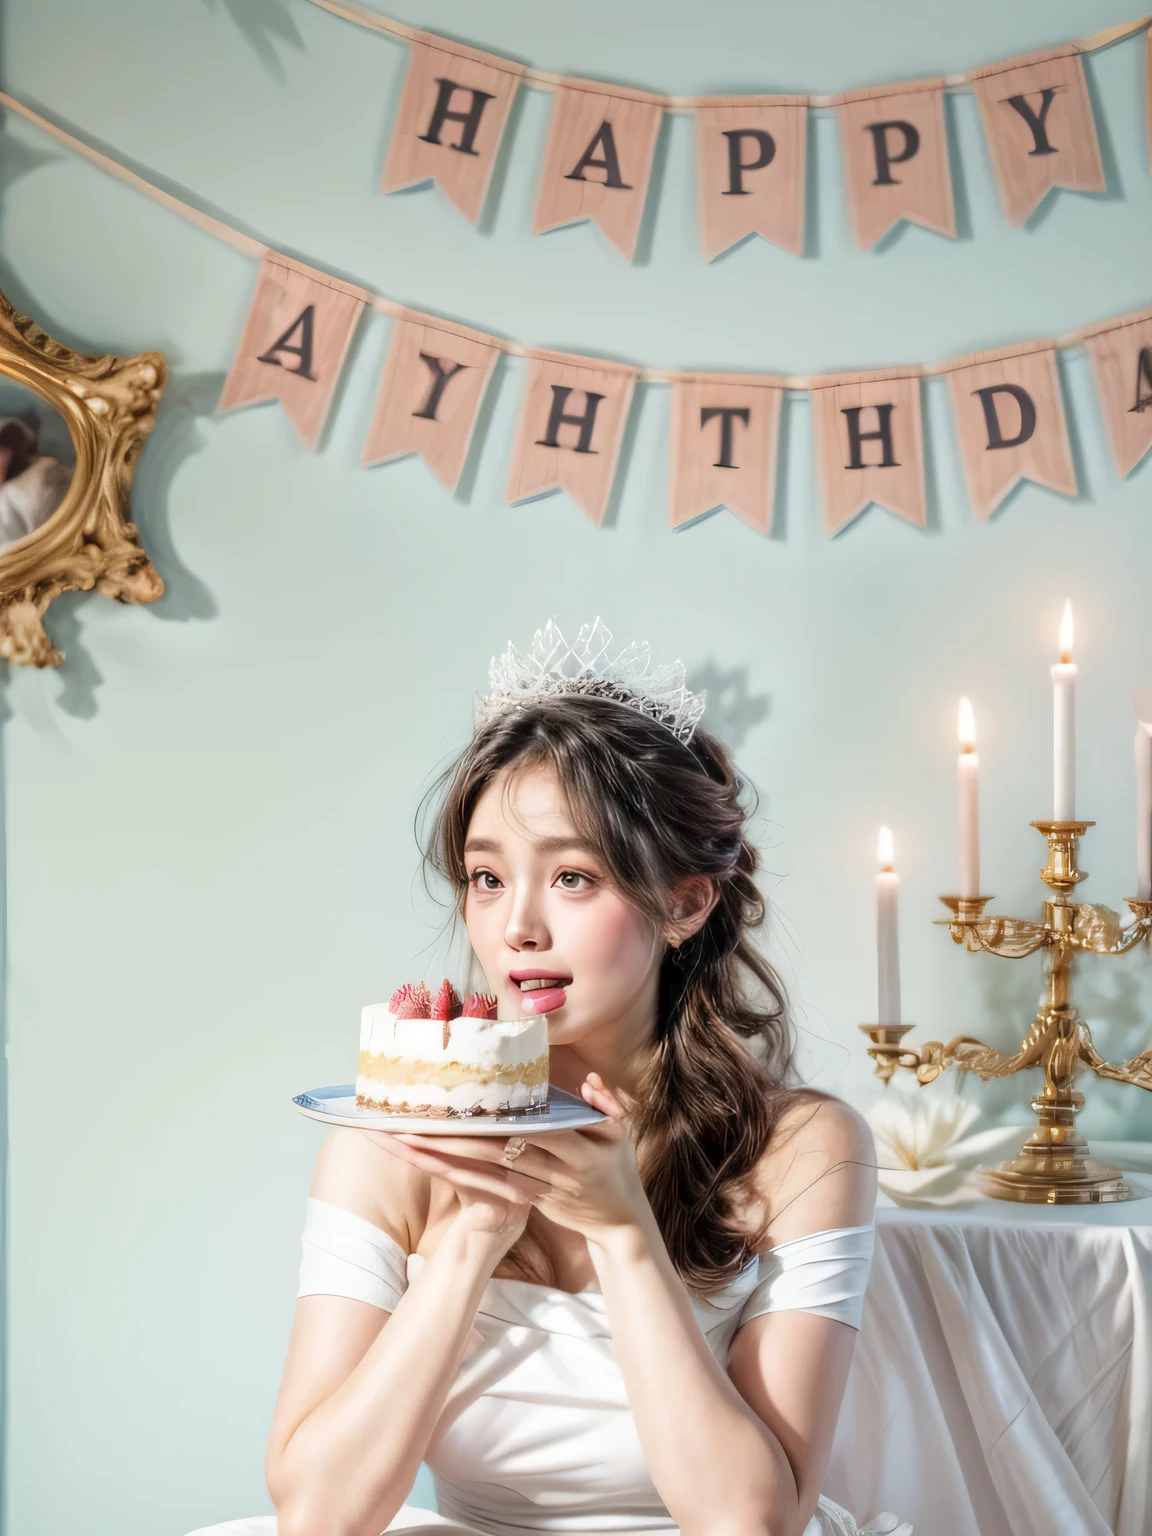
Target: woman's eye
x: 479, y: 878
x: 568, y: 880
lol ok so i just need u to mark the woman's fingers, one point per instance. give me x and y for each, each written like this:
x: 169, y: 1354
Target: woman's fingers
x: 467, y: 1173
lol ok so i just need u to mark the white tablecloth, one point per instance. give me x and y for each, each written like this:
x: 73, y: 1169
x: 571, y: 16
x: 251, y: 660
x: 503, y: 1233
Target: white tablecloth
x: 1002, y: 1383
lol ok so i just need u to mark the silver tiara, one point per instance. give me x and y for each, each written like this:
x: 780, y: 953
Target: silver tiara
x: 552, y: 667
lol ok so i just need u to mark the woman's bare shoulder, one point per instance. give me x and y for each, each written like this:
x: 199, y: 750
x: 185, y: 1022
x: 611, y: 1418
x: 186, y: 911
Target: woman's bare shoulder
x: 818, y: 1170
x: 354, y: 1171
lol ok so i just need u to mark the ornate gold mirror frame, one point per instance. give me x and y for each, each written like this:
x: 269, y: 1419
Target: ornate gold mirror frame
x: 108, y: 405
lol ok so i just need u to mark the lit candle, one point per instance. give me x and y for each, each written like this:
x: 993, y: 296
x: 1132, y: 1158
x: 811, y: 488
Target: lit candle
x: 969, y: 765
x: 1064, y: 725
x: 887, y: 948
x: 1143, y: 811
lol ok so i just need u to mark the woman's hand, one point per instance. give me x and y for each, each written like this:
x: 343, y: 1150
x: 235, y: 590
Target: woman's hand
x: 488, y: 1203
x: 586, y: 1180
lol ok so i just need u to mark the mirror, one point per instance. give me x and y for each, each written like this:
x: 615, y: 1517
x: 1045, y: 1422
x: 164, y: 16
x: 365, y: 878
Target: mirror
x: 71, y: 429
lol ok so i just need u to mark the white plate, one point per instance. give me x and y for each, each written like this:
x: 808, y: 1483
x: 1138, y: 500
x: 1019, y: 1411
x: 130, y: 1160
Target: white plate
x: 564, y: 1111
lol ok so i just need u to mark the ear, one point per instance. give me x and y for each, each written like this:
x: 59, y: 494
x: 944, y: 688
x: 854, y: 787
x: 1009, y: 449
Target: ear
x: 692, y: 900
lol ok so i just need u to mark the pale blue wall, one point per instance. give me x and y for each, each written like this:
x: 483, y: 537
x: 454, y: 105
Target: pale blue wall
x: 209, y: 811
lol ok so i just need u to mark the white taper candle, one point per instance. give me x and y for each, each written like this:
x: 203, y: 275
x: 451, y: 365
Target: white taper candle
x: 1064, y: 725
x: 887, y: 943
x: 969, y: 814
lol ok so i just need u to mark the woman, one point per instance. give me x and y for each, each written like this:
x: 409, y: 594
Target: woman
x: 32, y: 484
x: 516, y: 1311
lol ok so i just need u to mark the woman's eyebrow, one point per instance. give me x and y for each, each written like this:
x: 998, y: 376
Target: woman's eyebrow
x: 542, y: 844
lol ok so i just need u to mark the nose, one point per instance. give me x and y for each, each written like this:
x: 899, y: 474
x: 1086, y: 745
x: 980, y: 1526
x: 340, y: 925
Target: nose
x: 526, y: 927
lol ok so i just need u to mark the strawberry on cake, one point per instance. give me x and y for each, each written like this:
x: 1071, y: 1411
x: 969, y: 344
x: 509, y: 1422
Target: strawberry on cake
x: 472, y: 1064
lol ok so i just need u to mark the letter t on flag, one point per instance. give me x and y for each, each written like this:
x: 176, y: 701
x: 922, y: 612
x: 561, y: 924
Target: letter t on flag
x: 294, y: 343
x: 571, y: 428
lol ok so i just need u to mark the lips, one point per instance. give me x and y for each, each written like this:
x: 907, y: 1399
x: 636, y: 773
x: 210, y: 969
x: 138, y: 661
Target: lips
x: 541, y: 998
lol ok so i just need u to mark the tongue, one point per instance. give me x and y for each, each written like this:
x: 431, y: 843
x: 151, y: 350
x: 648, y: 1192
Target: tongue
x: 543, y: 999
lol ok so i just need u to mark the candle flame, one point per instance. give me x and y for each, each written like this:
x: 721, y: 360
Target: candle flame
x: 966, y: 726
x: 1066, y: 632
x: 884, y: 848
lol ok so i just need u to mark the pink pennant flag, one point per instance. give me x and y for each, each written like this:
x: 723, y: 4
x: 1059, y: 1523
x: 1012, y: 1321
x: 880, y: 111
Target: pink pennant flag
x: 598, y: 160
x: 451, y: 119
x: 896, y: 159
x: 430, y: 395
x: 1121, y: 354
x: 1038, y: 122
x: 750, y: 153
x: 724, y: 435
x: 571, y: 428
x: 870, y: 447
x: 1011, y: 425
x: 294, y: 343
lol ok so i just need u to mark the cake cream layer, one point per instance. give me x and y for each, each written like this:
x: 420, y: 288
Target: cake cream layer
x: 485, y: 1043
x: 461, y: 1099
x: 404, y: 1071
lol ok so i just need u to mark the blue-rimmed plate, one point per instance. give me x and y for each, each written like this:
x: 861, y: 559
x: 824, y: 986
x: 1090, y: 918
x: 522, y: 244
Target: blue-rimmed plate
x: 564, y: 1111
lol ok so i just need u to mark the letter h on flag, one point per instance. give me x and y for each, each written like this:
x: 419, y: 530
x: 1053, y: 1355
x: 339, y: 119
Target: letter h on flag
x: 451, y: 118
x: 571, y: 429
x: 294, y: 343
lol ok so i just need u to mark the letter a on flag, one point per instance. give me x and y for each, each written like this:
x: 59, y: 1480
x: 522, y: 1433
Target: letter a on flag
x: 1121, y: 353
x: 598, y: 160
x: 294, y: 343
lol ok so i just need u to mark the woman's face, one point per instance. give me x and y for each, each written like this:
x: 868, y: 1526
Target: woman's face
x: 551, y: 933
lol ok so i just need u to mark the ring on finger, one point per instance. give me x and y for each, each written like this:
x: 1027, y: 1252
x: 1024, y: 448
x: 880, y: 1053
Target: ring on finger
x: 512, y: 1151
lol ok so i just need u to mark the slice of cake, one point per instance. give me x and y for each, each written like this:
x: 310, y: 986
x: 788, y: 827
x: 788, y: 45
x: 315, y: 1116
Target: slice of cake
x: 439, y: 1057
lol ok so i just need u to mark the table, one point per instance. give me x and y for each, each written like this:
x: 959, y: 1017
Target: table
x: 1002, y: 1381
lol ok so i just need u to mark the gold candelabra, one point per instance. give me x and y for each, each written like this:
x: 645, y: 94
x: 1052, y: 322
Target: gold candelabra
x: 1054, y: 1166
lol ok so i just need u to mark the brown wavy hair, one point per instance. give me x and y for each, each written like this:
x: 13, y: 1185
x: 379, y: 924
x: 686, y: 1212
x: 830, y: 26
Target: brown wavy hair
x: 657, y: 810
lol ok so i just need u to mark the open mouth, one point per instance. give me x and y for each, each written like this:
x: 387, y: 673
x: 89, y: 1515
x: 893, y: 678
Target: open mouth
x: 541, y: 991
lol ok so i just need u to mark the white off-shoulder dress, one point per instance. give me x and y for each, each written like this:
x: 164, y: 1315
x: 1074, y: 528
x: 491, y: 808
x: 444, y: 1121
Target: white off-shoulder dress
x: 536, y: 1434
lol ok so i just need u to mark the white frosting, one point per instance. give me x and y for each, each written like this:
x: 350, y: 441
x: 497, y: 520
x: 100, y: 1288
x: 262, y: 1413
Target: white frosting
x: 489, y: 1096
x: 488, y: 1043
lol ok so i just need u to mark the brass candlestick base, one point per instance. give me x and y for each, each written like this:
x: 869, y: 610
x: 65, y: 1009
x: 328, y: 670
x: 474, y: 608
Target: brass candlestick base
x: 1054, y: 1166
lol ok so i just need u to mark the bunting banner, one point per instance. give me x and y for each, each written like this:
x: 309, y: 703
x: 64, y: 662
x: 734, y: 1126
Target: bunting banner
x: 452, y: 115
x: 1011, y: 425
x: 724, y: 435
x: 430, y: 395
x: 597, y: 161
x: 571, y: 428
x: 869, y: 447
x: 1038, y: 122
x: 751, y: 155
x: 896, y: 160
x: 867, y: 425
x: 1121, y: 353
x: 1035, y: 110
x: 294, y: 343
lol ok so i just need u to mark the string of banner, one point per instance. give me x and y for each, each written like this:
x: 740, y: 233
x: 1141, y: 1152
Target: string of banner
x: 725, y: 426
x: 455, y: 105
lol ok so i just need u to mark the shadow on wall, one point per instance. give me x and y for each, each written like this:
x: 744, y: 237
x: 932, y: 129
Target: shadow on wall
x: 263, y: 24
x: 733, y: 710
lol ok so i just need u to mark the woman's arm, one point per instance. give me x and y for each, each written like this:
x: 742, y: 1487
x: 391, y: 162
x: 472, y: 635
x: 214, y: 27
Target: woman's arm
x: 363, y: 1389
x: 742, y: 1451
